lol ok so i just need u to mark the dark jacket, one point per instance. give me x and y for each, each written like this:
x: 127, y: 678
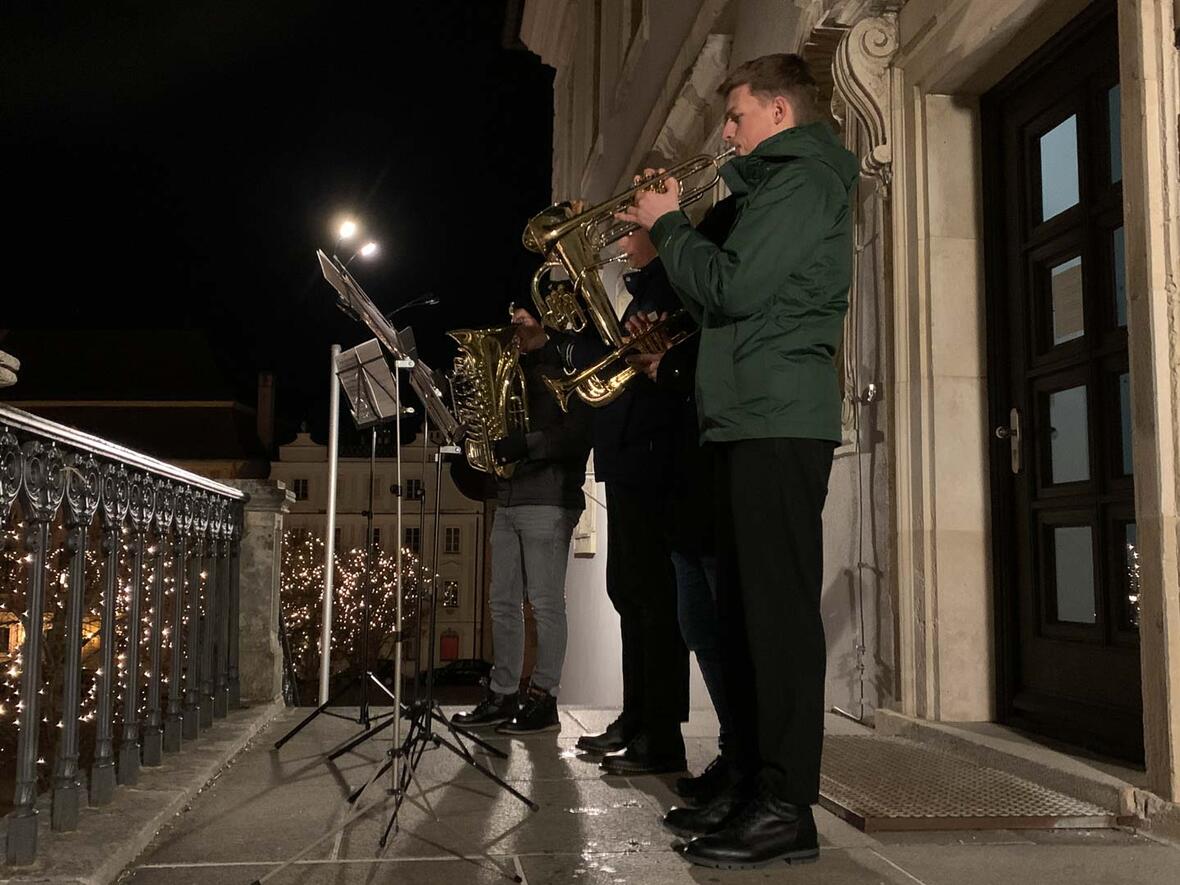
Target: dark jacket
x: 771, y: 298
x: 633, y: 435
x: 553, y: 466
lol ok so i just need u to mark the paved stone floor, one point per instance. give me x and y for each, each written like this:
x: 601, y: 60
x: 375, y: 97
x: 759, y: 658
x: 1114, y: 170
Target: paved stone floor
x: 269, y: 805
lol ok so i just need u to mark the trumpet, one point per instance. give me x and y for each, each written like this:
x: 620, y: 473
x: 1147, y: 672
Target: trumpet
x: 573, y: 241
x: 600, y: 383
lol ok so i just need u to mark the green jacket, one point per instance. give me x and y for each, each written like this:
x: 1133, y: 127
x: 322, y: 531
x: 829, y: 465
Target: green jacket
x: 771, y: 299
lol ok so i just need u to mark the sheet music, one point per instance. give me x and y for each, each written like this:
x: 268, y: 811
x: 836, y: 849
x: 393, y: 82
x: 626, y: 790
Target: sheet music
x: 355, y: 298
x: 421, y: 377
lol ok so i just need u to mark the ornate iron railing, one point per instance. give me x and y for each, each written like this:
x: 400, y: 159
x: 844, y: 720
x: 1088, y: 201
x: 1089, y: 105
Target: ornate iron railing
x: 118, y: 616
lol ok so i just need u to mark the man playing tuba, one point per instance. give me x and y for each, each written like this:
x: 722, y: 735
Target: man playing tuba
x: 537, y: 508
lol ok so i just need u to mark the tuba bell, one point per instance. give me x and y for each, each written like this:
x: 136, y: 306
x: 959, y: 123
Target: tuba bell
x: 490, y: 393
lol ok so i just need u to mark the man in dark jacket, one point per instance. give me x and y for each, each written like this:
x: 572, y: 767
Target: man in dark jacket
x: 633, y: 440
x: 771, y: 301
x: 536, y: 511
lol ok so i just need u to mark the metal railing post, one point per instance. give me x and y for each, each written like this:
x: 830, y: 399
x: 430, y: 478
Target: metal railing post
x: 43, y: 477
x: 83, y: 489
x: 116, y: 497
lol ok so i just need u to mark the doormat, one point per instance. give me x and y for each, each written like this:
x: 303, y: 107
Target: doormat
x: 888, y: 783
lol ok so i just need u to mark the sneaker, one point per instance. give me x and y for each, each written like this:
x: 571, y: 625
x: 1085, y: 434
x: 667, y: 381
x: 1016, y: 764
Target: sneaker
x: 706, y: 786
x: 538, y: 713
x: 492, y: 710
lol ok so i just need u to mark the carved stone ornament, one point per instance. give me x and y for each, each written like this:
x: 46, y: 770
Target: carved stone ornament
x: 861, y: 71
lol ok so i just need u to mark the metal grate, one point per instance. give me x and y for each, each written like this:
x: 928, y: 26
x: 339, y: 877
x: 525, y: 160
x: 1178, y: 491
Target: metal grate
x: 887, y: 783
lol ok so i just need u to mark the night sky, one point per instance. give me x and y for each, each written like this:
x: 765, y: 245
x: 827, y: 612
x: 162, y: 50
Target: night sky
x: 175, y: 165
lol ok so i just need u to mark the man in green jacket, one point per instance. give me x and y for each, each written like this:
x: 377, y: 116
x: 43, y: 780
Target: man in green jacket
x: 771, y: 301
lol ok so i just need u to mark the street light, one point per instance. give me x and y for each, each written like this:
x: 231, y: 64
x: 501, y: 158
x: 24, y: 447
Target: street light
x: 347, y: 229
x: 366, y: 251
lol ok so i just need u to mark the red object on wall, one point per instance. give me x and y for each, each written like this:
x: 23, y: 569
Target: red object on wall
x: 448, y: 646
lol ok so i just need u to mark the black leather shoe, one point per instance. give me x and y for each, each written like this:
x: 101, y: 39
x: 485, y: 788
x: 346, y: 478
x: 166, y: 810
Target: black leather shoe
x: 766, y: 830
x: 646, y: 756
x: 709, y: 784
x: 537, y: 713
x: 616, y: 737
x: 690, y: 822
x: 492, y: 710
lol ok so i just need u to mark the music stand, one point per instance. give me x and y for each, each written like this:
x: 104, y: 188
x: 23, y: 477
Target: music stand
x: 423, y: 713
x: 374, y: 395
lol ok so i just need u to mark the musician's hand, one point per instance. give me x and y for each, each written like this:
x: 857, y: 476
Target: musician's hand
x: 650, y: 204
x: 511, y: 448
x: 639, y: 327
x: 521, y: 317
x: 530, y: 335
x: 647, y: 363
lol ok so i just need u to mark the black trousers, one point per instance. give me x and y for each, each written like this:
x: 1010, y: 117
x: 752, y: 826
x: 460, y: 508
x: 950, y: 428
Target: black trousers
x: 770, y: 495
x: 641, y: 584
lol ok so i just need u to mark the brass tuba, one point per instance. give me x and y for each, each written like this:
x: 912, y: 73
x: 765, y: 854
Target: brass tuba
x: 575, y: 241
x: 490, y: 393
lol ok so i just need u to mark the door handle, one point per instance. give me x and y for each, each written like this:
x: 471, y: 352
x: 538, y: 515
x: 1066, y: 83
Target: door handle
x: 1011, y: 432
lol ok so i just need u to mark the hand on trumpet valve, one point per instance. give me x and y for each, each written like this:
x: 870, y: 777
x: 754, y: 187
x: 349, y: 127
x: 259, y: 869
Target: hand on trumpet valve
x: 639, y: 332
x: 660, y: 198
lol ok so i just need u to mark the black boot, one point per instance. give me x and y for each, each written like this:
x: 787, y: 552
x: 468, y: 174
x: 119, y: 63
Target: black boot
x: 648, y: 754
x: 710, y: 818
x: 765, y: 831
x: 709, y: 784
x: 538, y: 713
x: 616, y: 737
x: 492, y: 710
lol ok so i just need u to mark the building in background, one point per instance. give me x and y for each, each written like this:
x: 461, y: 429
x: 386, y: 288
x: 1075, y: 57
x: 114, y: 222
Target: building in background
x: 302, y: 466
x: 175, y: 401
x: 1002, y: 541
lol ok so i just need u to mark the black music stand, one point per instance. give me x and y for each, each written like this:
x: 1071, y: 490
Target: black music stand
x: 374, y: 398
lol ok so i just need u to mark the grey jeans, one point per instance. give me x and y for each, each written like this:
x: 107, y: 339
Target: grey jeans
x: 530, y: 545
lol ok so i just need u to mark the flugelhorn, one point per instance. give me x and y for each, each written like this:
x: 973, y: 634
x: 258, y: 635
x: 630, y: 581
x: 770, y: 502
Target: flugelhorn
x: 602, y: 382
x: 574, y: 241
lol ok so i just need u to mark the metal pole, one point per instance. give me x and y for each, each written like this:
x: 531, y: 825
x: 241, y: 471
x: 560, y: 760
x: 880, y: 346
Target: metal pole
x: 330, y: 540
x: 396, y: 736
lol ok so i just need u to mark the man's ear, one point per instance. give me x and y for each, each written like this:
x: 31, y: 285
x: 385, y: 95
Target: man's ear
x: 784, y: 114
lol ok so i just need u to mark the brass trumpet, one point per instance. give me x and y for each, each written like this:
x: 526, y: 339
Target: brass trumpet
x: 573, y: 241
x: 602, y: 382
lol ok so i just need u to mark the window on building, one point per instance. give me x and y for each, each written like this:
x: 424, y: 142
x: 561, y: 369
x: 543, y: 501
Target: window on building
x: 414, y: 539
x: 414, y: 489
x: 453, y: 539
x: 300, y: 486
x: 450, y: 594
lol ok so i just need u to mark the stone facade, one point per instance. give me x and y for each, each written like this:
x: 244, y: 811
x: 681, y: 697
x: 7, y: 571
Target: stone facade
x: 908, y: 600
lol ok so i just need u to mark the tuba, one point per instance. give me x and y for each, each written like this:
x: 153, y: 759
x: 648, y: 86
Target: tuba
x: 490, y: 395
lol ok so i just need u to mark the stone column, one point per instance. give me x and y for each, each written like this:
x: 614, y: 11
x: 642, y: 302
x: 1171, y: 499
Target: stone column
x: 260, y: 662
x: 1150, y: 72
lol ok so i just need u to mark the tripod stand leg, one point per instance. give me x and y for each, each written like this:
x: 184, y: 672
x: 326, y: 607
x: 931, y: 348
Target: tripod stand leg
x: 312, y: 715
x: 465, y: 754
x: 458, y: 729
x: 363, y: 736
